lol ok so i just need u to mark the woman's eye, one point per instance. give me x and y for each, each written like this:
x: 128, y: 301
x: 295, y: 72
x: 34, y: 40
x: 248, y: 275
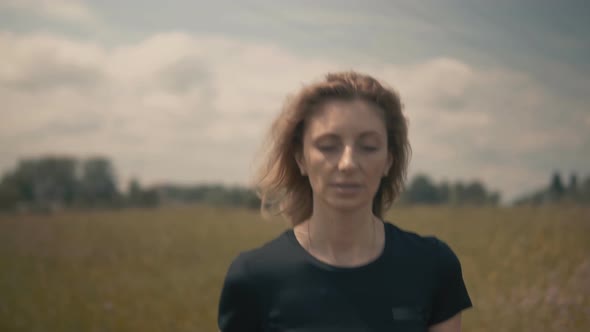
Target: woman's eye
x: 370, y: 148
x: 327, y: 148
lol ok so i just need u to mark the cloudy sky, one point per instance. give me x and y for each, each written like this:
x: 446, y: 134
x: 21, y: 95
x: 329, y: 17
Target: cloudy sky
x: 184, y: 91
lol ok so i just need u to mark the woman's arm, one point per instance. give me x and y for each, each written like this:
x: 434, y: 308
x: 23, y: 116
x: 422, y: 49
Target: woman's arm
x: 238, y: 306
x: 452, y: 324
x: 451, y: 296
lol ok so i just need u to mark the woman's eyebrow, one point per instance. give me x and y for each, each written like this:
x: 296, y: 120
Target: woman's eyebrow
x: 369, y: 133
x: 326, y: 136
x: 362, y: 135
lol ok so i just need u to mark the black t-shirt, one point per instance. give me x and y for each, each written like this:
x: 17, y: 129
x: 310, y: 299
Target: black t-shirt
x: 414, y: 283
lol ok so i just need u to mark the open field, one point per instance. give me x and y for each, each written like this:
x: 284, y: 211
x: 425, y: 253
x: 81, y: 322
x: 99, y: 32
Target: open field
x: 527, y: 269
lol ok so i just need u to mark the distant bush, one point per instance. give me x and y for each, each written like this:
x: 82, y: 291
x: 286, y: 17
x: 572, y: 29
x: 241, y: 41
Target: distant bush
x: 557, y: 192
x: 422, y: 190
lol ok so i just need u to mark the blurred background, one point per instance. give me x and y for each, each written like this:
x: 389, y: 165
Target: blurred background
x: 129, y: 133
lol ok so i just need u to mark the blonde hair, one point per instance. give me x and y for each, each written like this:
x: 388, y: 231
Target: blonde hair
x: 279, y: 183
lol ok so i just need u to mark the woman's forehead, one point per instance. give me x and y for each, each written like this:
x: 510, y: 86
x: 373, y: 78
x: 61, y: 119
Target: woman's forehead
x: 346, y: 116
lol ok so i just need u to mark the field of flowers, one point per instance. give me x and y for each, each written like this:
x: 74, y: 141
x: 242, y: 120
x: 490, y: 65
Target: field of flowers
x: 527, y: 269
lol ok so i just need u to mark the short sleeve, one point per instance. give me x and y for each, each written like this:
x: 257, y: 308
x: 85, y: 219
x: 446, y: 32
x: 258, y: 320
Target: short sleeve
x: 238, y: 309
x: 451, y: 296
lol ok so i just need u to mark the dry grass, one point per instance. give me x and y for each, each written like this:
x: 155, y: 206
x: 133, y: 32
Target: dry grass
x: 161, y: 270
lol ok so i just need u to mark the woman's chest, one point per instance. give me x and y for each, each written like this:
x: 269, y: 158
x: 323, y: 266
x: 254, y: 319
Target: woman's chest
x: 378, y: 303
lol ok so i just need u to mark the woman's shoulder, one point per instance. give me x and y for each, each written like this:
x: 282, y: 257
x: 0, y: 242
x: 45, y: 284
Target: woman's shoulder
x: 267, y: 256
x: 429, y: 245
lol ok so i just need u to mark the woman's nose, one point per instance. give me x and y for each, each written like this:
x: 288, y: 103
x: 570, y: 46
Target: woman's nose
x: 347, y: 159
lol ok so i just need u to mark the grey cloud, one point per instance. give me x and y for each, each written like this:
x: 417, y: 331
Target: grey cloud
x: 451, y: 103
x: 71, y: 129
x: 45, y: 75
x: 185, y: 74
x: 74, y: 128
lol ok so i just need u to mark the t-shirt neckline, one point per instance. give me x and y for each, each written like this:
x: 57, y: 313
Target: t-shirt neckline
x: 329, y: 267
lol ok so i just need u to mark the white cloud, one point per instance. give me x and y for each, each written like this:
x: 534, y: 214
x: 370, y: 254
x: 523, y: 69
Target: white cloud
x: 194, y: 108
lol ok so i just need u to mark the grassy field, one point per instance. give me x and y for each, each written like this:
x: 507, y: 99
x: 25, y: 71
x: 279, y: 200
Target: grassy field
x: 527, y: 269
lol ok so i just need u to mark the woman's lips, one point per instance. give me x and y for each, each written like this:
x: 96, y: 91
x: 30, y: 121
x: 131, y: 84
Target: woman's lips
x: 347, y: 188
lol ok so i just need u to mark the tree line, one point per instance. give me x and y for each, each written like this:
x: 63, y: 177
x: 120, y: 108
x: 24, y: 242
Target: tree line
x: 55, y: 182
x: 557, y: 191
x: 423, y: 190
x: 51, y: 183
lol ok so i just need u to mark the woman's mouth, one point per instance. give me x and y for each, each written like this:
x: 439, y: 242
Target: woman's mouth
x: 347, y: 188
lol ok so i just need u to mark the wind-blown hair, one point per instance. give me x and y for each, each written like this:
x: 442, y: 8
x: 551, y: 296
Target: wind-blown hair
x: 279, y: 183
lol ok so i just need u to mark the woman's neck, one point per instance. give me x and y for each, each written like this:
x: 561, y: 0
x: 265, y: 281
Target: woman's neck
x: 343, y: 237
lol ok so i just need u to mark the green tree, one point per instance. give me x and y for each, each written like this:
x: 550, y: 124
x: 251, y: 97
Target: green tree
x: 422, y: 191
x: 556, y: 187
x: 98, y: 182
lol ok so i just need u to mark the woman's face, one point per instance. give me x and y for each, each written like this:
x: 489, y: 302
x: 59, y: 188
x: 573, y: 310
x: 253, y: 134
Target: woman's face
x: 345, y: 153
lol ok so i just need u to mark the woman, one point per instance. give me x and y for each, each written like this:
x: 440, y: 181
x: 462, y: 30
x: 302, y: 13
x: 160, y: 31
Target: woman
x: 338, y: 158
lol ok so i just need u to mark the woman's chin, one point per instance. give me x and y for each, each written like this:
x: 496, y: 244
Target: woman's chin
x: 348, y: 203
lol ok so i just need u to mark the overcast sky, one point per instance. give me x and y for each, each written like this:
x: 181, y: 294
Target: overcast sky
x: 184, y: 91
